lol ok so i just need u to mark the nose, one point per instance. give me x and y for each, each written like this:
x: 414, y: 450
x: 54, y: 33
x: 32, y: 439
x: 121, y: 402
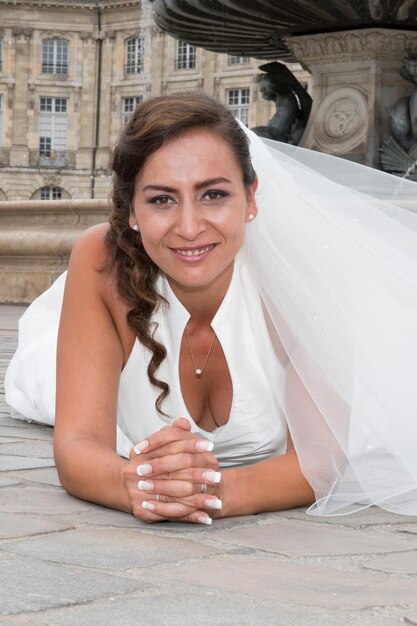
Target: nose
x: 190, y: 221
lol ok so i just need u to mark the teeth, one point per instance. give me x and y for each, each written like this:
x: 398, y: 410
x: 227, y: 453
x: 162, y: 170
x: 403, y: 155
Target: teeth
x: 195, y: 252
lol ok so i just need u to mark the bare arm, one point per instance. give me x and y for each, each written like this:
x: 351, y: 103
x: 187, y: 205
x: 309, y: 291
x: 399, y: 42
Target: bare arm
x: 89, y: 363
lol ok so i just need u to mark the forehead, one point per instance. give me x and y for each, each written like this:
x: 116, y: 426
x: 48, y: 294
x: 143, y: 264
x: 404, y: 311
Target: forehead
x: 195, y: 154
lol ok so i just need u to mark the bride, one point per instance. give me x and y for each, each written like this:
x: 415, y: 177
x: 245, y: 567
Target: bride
x: 243, y: 332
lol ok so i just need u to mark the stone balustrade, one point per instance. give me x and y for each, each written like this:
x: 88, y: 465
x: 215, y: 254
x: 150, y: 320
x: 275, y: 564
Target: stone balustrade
x: 36, y: 239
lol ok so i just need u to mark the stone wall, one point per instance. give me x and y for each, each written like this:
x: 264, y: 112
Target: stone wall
x: 36, y: 239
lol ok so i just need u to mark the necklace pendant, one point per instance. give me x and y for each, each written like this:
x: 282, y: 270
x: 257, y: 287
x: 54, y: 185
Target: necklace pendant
x: 198, y: 372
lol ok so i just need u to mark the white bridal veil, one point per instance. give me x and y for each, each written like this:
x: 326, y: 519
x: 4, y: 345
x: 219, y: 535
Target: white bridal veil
x: 334, y: 255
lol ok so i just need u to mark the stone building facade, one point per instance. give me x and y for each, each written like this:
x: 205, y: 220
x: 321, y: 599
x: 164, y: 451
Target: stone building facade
x: 72, y: 73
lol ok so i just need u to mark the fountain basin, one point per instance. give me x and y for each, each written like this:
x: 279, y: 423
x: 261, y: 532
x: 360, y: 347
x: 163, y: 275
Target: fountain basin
x: 258, y: 28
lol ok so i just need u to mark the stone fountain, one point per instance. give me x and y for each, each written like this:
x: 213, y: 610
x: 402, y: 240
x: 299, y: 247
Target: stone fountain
x: 353, y: 49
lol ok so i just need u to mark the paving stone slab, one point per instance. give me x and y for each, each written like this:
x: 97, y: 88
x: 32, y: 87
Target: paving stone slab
x: 44, y: 500
x: 111, y: 549
x: 47, y: 476
x: 366, y: 517
x: 45, y: 433
x: 14, y: 525
x: 8, y: 482
x: 405, y: 528
x: 310, y: 539
x: 34, y: 449
x: 9, y: 463
x: 205, y: 608
x: 100, y: 516
x: 9, y: 440
x: 401, y: 563
x: 298, y: 584
x: 31, y: 585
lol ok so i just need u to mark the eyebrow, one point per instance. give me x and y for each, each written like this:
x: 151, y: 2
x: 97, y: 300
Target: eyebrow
x: 200, y: 185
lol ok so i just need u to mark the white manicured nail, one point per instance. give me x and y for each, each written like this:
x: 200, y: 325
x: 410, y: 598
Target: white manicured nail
x: 211, y: 477
x: 142, y: 470
x: 204, y: 446
x: 212, y: 503
x: 146, y: 485
x: 148, y: 506
x: 140, y: 447
x: 204, y: 519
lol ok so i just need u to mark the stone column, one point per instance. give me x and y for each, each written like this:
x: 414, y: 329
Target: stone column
x: 356, y: 76
x: 19, y: 153
x: 104, y: 135
x: 87, y: 100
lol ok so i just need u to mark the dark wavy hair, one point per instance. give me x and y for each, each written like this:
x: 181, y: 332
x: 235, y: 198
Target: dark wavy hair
x: 155, y: 122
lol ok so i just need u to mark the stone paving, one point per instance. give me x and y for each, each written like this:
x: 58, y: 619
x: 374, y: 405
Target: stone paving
x: 68, y: 562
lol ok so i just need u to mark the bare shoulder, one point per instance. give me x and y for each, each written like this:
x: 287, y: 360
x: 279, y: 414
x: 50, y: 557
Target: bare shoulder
x: 91, y: 246
x: 92, y: 282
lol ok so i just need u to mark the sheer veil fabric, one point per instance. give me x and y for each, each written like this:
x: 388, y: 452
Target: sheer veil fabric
x: 334, y: 254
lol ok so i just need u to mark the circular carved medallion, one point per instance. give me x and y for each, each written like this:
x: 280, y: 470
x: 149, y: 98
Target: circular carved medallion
x: 341, y: 120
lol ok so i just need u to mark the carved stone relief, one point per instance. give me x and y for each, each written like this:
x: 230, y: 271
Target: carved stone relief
x: 368, y: 42
x: 342, y: 120
x: 22, y: 33
x: 52, y: 179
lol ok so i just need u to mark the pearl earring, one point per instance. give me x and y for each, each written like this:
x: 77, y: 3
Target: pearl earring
x: 250, y: 216
x: 135, y: 227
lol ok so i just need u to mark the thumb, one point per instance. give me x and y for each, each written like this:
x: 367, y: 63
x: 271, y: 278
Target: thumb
x: 182, y: 422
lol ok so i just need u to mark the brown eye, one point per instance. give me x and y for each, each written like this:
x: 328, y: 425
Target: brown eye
x: 215, y: 194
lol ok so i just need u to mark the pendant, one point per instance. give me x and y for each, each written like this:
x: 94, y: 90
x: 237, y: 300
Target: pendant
x: 198, y: 372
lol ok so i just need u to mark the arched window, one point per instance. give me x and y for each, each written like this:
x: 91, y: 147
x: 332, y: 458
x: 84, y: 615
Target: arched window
x: 54, y: 56
x: 50, y: 193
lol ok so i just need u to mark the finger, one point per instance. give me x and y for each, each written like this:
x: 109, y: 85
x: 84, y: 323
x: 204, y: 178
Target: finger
x: 177, y: 510
x: 173, y: 488
x: 163, y: 437
x: 182, y: 422
x: 175, y: 462
x: 198, y: 517
x: 195, y: 475
x: 145, y: 515
x: 167, y: 510
x: 194, y: 446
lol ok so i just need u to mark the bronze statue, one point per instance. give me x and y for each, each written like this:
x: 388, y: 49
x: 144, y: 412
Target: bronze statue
x: 399, y: 153
x: 292, y: 102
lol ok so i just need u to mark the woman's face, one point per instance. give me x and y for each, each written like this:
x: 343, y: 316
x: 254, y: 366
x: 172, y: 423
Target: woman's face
x: 191, y: 207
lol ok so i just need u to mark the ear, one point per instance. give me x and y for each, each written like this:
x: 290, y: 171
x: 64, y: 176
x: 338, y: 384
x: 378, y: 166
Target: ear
x: 132, y: 219
x: 252, y: 208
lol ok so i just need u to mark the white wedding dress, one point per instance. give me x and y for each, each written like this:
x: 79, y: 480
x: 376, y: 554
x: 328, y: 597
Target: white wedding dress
x: 334, y: 259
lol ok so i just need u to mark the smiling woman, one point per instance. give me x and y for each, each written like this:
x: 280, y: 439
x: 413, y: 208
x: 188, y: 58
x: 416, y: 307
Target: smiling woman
x: 195, y: 333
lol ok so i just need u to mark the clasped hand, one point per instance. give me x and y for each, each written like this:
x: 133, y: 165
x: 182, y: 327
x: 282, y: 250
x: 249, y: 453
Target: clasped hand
x: 174, y: 475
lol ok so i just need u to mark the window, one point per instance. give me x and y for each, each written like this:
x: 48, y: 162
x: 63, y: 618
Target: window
x: 185, y: 58
x: 134, y: 55
x: 128, y: 106
x: 51, y: 193
x: 238, y: 101
x: 1, y: 54
x: 54, y: 56
x: 53, y: 123
x: 232, y: 59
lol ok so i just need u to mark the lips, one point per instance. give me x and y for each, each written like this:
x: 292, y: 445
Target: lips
x: 194, y: 254
x: 194, y: 251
